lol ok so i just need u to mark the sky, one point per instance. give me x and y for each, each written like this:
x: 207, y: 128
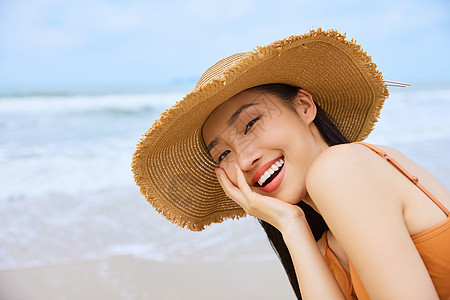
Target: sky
x: 137, y: 45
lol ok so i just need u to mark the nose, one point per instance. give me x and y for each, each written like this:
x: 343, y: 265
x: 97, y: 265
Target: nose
x: 247, y: 157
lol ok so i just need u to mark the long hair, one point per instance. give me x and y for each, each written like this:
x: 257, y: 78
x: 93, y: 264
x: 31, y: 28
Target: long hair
x: 332, y: 136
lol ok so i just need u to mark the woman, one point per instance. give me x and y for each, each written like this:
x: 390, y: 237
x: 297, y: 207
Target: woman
x: 267, y: 133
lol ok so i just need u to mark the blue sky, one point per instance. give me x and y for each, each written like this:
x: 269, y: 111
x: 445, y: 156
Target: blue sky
x: 51, y: 45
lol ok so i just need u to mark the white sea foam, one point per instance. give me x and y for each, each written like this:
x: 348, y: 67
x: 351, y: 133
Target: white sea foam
x: 67, y: 193
x: 72, y: 144
x: 87, y: 103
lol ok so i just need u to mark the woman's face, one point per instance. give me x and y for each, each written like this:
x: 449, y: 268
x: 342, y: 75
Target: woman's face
x: 258, y: 132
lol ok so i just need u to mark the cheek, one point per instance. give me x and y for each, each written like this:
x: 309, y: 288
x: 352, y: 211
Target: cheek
x: 284, y: 134
x: 272, y: 134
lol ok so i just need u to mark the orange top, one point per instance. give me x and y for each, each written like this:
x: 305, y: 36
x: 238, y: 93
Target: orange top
x: 433, y: 246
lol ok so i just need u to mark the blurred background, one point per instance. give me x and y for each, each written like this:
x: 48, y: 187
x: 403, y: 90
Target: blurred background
x: 52, y: 46
x: 80, y: 81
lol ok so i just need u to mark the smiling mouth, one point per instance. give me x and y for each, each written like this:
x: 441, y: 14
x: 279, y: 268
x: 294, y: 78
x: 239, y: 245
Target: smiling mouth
x: 270, y: 173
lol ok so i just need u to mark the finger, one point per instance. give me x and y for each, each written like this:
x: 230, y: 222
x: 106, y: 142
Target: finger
x: 242, y: 183
x: 230, y: 189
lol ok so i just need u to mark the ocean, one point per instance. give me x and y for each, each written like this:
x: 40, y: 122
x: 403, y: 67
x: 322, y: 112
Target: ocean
x: 67, y: 194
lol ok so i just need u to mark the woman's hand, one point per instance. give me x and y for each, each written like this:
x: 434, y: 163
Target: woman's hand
x: 280, y: 214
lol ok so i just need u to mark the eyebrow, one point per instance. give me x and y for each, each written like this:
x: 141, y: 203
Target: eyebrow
x: 236, y: 114
x: 212, y: 145
x: 230, y: 122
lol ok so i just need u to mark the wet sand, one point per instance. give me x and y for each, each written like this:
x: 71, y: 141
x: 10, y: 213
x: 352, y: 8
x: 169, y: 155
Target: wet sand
x: 126, y: 277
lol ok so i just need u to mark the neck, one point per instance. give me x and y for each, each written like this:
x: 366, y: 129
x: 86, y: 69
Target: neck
x: 321, y: 146
x: 318, y: 137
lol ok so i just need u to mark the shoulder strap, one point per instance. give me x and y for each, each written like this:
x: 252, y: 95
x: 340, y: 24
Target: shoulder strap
x: 324, y: 240
x: 412, y: 178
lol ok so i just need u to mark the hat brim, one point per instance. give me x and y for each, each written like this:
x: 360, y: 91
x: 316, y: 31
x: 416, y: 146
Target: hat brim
x: 171, y: 165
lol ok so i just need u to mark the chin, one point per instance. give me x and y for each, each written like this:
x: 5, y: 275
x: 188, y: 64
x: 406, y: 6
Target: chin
x: 294, y: 198
x: 293, y: 201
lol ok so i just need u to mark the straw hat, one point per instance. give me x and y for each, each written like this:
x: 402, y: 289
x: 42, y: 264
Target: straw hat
x: 171, y: 165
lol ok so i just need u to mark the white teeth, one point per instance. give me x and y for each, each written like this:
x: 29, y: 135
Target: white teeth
x: 278, y: 164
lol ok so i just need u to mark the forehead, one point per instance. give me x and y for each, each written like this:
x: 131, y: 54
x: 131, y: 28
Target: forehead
x: 217, y: 120
x: 227, y: 108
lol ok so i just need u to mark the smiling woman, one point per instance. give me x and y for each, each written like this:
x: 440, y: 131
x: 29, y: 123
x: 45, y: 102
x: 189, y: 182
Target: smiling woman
x: 276, y: 133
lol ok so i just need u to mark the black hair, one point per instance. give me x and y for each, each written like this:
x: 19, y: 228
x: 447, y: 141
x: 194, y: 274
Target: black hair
x: 332, y: 136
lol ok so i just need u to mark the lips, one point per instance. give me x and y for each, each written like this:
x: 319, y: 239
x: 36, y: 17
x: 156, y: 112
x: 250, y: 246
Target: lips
x: 275, y: 167
x: 271, y: 173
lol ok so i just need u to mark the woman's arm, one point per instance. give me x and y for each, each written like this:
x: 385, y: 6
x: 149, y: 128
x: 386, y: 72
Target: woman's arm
x: 315, y: 278
x: 313, y: 274
x: 360, y: 197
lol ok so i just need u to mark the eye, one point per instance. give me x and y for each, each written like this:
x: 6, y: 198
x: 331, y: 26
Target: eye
x: 223, y: 155
x: 250, y: 124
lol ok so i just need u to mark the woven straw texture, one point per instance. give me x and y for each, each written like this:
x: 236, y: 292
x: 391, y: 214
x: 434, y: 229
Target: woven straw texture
x: 171, y: 165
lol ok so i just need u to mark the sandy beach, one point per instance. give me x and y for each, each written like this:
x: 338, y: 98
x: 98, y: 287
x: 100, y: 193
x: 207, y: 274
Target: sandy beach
x: 125, y: 277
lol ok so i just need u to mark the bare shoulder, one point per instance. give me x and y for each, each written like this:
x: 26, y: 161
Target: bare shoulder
x: 343, y: 160
x: 356, y: 159
x: 350, y: 172
x: 426, y: 178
